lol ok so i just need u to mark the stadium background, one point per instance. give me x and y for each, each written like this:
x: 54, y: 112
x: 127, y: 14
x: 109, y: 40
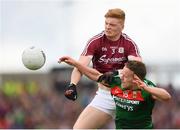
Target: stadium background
x: 34, y: 99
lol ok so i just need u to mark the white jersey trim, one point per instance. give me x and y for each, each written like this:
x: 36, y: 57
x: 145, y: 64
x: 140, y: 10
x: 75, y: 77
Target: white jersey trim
x: 129, y: 39
x: 91, y: 40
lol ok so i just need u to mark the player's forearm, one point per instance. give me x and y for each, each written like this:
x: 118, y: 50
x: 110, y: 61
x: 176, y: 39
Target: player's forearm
x: 89, y: 72
x: 160, y: 93
x: 75, y: 76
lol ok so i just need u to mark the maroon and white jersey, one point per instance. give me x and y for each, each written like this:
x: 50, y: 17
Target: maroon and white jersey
x: 110, y: 55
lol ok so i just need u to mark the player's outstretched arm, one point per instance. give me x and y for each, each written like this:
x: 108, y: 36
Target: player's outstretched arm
x: 89, y: 72
x: 157, y: 93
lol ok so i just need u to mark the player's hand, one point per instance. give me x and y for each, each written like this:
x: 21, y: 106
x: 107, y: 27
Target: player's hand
x: 67, y: 60
x: 107, y: 77
x: 139, y: 83
x: 70, y: 92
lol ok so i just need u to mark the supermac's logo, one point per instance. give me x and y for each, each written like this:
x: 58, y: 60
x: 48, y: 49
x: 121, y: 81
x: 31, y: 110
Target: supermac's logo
x: 104, y: 59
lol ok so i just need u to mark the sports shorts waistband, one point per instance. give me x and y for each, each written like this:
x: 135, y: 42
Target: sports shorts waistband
x: 104, y: 90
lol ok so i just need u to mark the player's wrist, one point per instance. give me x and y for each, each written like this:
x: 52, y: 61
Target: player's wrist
x: 76, y: 64
x: 72, y: 85
x: 143, y: 87
x: 115, y: 72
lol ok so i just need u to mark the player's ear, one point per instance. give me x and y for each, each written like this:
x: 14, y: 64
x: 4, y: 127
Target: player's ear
x: 122, y: 24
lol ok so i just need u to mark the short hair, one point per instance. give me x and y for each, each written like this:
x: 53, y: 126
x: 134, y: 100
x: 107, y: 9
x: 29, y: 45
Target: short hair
x: 138, y: 68
x: 115, y: 13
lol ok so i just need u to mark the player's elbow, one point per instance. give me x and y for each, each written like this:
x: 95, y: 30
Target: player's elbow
x: 167, y: 97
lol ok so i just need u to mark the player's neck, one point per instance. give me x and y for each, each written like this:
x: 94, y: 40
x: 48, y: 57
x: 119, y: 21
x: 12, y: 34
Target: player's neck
x: 132, y: 87
x: 114, y: 38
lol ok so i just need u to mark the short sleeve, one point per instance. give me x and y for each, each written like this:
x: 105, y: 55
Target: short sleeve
x: 149, y: 83
x: 89, y: 49
x: 92, y: 45
x: 133, y: 49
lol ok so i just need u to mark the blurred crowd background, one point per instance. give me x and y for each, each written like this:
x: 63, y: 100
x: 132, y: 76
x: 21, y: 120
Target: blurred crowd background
x: 37, y: 101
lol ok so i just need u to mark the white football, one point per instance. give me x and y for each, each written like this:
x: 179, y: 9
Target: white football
x: 33, y: 58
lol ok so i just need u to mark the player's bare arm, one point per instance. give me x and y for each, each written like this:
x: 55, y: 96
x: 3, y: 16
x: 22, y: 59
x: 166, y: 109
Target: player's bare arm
x: 76, y: 74
x: 70, y: 90
x: 157, y: 93
x: 89, y: 72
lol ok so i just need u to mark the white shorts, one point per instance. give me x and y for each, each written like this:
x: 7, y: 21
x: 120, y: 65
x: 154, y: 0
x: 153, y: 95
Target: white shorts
x: 104, y: 102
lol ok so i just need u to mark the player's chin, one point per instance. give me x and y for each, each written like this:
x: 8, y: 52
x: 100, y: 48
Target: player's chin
x: 108, y: 33
x: 124, y: 85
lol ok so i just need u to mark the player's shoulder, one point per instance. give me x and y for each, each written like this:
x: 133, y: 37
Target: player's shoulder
x: 149, y: 83
x: 127, y: 38
x: 96, y: 37
x: 124, y: 35
x: 101, y: 34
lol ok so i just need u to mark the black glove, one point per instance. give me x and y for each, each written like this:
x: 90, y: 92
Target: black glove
x: 70, y: 92
x: 107, y: 77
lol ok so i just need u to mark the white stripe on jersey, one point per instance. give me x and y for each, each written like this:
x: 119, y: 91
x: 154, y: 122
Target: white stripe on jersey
x: 91, y: 40
x: 129, y: 39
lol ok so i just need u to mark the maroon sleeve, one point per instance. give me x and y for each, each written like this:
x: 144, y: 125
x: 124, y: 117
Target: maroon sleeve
x: 89, y: 48
x: 133, y: 49
x: 92, y: 45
